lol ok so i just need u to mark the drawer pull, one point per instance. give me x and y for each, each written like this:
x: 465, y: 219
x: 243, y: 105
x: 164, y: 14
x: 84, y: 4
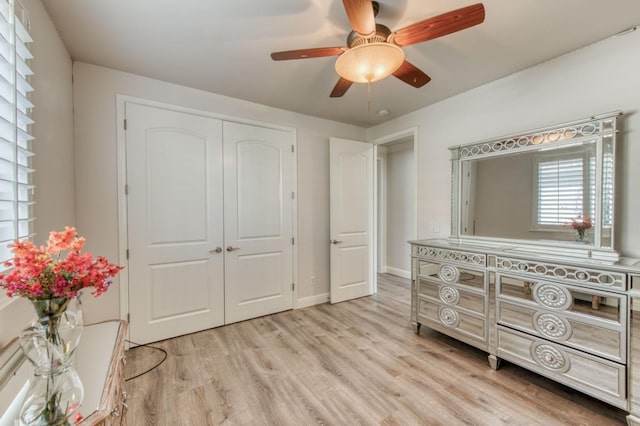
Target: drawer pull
x: 552, y: 326
x: 448, y: 273
x: 449, y: 317
x: 449, y: 295
x: 552, y: 296
x: 550, y: 357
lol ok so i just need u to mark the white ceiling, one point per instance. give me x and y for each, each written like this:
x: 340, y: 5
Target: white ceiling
x: 223, y: 46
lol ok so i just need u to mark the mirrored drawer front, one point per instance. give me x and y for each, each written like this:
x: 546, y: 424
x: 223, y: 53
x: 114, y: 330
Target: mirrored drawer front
x: 452, y: 295
x: 571, y: 274
x: 446, y: 255
x: 448, y: 273
x: 601, y: 378
x: 453, y: 319
x: 597, y: 305
x: 566, y: 329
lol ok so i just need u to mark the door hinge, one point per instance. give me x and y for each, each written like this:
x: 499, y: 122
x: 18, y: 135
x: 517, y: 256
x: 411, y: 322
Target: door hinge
x: 293, y: 286
x: 293, y: 241
x: 293, y: 195
x: 126, y: 189
x: 125, y: 124
x: 128, y: 317
x: 292, y: 148
x: 127, y: 253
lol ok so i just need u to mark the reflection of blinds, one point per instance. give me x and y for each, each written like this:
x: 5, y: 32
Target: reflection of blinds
x: 592, y: 186
x: 560, y: 190
x: 16, y: 190
x: 607, y: 189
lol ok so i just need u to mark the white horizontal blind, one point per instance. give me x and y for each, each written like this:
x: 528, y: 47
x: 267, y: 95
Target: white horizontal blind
x: 592, y: 187
x: 607, y: 189
x: 561, y: 184
x: 16, y: 189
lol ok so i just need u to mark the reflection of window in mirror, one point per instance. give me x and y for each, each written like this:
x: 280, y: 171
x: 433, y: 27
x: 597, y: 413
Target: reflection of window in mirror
x: 564, y: 188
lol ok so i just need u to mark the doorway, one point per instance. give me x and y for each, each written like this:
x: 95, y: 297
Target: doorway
x: 396, y: 206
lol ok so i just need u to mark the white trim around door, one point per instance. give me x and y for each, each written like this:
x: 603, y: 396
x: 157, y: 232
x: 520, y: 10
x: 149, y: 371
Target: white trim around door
x: 411, y: 132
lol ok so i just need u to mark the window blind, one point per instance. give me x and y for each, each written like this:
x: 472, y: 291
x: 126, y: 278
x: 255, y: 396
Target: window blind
x: 16, y: 188
x: 561, y: 184
x: 607, y: 189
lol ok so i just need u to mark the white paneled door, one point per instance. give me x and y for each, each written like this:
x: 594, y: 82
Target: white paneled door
x: 258, y: 206
x: 175, y: 222
x: 351, y: 227
x: 210, y: 221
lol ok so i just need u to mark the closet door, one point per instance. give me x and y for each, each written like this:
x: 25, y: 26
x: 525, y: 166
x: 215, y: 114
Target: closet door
x: 258, y: 207
x: 174, y: 178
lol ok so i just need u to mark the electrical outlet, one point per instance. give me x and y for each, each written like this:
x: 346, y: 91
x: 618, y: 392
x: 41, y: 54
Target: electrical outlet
x: 435, y: 227
x: 313, y: 280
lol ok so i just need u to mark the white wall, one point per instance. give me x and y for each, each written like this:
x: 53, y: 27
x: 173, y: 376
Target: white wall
x: 53, y: 146
x: 492, y: 219
x: 94, y: 96
x: 400, y: 173
x: 599, y: 78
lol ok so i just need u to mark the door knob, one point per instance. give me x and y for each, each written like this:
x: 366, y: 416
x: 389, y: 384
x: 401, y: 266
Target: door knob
x: 229, y: 248
x: 216, y: 250
x: 335, y: 242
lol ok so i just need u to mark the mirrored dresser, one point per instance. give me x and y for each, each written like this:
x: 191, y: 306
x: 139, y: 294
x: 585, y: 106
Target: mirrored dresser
x: 566, y: 319
x: 530, y: 273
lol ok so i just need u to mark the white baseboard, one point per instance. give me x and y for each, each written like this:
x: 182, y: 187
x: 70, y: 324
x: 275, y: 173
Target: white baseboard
x: 397, y: 272
x: 383, y: 270
x: 316, y: 299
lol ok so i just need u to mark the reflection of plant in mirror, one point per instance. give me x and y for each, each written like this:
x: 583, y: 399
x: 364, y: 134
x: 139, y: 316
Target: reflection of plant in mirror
x: 580, y: 225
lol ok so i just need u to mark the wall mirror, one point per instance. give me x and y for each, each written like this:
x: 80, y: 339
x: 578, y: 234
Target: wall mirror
x: 548, y: 190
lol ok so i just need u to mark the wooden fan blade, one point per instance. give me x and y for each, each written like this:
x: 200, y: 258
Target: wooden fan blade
x: 317, y: 52
x: 340, y: 88
x: 411, y: 75
x: 361, y: 17
x: 440, y: 25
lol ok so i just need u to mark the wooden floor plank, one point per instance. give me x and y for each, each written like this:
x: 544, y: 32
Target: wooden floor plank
x: 356, y: 362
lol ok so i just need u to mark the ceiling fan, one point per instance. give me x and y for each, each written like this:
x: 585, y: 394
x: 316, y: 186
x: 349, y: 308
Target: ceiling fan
x: 374, y: 52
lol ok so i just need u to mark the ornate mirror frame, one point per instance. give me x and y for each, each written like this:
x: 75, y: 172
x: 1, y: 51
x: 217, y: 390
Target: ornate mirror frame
x: 600, y: 130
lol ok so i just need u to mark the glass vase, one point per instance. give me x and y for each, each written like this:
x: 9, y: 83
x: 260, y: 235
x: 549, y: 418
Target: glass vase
x: 61, y: 328
x: 55, y: 390
x: 581, y: 236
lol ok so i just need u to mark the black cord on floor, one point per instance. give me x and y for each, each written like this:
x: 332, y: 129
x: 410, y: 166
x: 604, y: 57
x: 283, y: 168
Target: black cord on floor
x: 152, y: 368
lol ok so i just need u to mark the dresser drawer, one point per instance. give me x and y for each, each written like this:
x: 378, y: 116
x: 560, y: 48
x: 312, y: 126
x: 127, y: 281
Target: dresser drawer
x: 591, y: 305
x: 595, y: 376
x: 606, y: 340
x: 450, y: 319
x: 595, y: 278
x: 452, y: 295
x: 448, y: 255
x: 448, y: 273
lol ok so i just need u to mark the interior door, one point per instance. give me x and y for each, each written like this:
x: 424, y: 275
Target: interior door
x: 258, y: 205
x: 351, y: 227
x: 174, y: 178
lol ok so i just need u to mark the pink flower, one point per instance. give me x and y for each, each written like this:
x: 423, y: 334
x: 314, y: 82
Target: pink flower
x: 579, y: 224
x: 58, y: 270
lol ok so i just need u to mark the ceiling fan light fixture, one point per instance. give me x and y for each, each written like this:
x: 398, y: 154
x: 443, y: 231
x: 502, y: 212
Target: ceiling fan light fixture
x: 369, y: 62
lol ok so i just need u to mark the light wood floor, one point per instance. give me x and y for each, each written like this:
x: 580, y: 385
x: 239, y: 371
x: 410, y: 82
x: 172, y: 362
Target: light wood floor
x: 352, y: 363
